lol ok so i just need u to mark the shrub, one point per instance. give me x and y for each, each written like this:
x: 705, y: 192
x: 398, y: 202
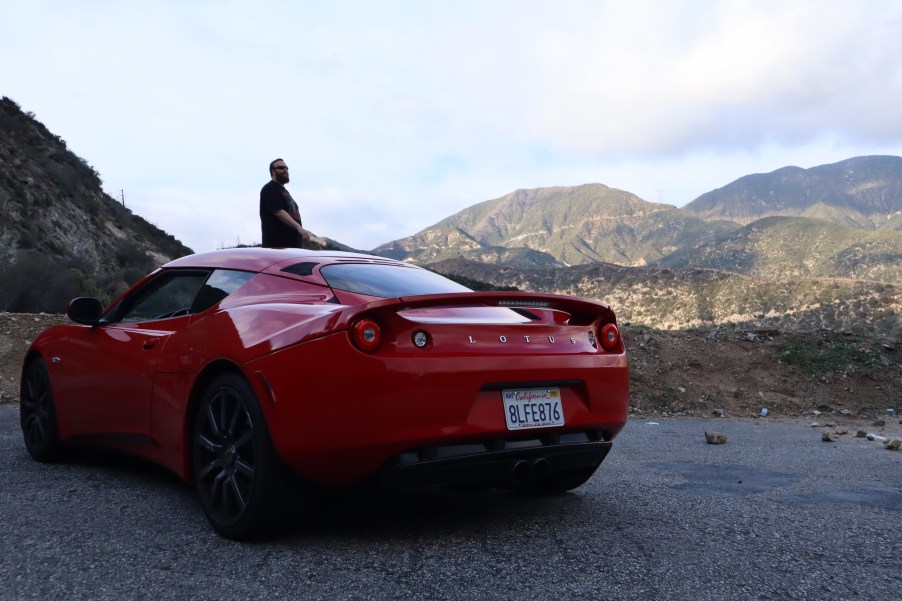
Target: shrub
x: 37, y: 284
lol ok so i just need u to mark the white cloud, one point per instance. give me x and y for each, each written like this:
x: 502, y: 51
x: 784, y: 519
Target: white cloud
x: 724, y: 75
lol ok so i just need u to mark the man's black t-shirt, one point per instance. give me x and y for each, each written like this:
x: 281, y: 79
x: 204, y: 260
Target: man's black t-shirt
x: 274, y: 196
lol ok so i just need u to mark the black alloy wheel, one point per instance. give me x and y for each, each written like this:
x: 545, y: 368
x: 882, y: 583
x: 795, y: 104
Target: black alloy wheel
x: 236, y: 470
x: 37, y: 414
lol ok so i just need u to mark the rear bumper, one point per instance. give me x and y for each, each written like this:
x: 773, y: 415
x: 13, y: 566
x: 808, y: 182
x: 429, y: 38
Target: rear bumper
x: 494, y: 462
x: 339, y: 417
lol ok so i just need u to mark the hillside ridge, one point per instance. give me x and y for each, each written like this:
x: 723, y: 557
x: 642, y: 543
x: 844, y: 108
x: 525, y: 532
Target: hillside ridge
x: 56, y: 218
x: 595, y: 223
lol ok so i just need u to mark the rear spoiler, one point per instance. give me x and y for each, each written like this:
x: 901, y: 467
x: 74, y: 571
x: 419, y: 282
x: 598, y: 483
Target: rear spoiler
x: 581, y: 310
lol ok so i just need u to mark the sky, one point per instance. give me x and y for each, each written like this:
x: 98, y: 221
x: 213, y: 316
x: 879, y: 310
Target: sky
x: 394, y: 114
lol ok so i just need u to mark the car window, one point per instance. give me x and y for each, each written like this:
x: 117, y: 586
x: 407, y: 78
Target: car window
x: 387, y: 281
x: 169, y: 295
x: 221, y: 283
x: 179, y: 292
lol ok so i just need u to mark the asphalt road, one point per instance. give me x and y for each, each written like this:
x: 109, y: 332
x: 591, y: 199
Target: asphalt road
x: 772, y: 514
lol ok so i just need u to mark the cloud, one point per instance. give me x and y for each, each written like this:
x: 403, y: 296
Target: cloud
x: 394, y: 115
x: 724, y: 76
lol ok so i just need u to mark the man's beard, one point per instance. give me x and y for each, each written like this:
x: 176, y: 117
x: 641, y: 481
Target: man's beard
x: 282, y: 177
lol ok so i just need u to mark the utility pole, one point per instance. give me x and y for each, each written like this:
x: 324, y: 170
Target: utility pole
x: 122, y: 196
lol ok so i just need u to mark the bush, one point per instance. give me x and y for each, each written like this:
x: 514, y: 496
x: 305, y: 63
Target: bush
x: 35, y: 283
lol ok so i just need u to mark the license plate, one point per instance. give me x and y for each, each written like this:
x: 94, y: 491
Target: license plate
x: 533, y: 408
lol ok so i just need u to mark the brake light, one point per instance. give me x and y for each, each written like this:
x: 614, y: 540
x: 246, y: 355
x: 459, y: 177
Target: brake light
x: 610, y: 337
x: 366, y: 335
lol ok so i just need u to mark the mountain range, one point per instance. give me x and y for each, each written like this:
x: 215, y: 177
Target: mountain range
x: 803, y: 248
x: 840, y: 220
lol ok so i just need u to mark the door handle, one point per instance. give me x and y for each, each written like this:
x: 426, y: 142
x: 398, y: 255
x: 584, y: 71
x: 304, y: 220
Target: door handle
x: 150, y: 343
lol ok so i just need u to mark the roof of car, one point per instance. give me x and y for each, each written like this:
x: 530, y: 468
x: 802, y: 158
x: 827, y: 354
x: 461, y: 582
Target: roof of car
x: 258, y: 259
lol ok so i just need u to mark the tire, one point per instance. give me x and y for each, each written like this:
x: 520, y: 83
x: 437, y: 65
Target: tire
x: 238, y: 476
x: 560, y: 482
x: 37, y: 414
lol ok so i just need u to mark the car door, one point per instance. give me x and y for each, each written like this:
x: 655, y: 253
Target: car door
x: 107, y: 370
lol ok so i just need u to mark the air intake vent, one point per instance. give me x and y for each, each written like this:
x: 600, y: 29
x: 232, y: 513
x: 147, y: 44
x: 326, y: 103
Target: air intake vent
x: 301, y: 268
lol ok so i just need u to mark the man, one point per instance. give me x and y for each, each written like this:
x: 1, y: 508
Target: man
x: 280, y: 218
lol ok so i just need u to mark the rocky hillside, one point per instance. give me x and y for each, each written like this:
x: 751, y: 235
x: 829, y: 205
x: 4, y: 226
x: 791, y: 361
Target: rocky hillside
x: 582, y: 224
x: 842, y: 220
x: 673, y: 299
x: 862, y: 192
x: 57, y: 217
x: 797, y: 247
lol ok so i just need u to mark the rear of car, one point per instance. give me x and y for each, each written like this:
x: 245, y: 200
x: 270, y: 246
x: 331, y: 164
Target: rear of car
x: 229, y: 367
x: 423, y: 383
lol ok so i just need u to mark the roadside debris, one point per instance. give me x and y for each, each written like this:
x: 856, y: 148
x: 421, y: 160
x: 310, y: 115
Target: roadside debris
x: 873, y: 436
x: 825, y: 436
x: 715, y: 437
x: 893, y: 445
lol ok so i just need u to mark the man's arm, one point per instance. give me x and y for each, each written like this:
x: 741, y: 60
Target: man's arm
x: 283, y: 216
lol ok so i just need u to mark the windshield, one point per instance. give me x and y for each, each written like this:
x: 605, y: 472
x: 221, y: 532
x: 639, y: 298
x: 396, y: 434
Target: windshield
x: 387, y: 281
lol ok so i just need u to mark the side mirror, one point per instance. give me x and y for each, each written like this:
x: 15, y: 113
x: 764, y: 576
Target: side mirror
x: 84, y: 310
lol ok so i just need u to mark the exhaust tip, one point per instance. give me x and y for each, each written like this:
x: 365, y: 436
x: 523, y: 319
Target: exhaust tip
x: 538, y: 468
x: 519, y: 472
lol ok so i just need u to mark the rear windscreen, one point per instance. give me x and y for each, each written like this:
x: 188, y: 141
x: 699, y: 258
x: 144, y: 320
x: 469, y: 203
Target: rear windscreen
x: 387, y: 281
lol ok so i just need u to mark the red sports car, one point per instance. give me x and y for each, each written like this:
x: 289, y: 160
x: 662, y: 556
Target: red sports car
x: 265, y: 375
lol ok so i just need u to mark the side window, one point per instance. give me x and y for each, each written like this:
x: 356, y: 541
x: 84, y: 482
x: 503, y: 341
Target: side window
x: 170, y: 295
x: 222, y: 283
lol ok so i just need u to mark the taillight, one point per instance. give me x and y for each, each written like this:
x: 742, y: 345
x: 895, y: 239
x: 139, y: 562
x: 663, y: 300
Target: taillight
x: 366, y: 335
x: 610, y: 337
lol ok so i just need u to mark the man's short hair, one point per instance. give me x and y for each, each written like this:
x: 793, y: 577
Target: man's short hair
x: 273, y: 163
